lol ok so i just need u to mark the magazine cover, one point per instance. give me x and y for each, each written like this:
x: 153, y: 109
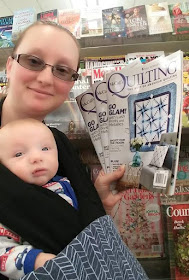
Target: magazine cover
x: 71, y: 19
x: 179, y: 13
x: 114, y: 22
x: 144, y: 56
x: 96, y: 62
x: 48, y: 15
x: 159, y: 20
x: 6, y: 32
x: 144, y: 108
x: 82, y: 84
x: 21, y: 20
x: 177, y: 219
x: 99, y: 73
x: 100, y: 97
x: 181, y: 194
x: 68, y: 119
x: 185, y: 110
x: 92, y: 62
x: 91, y: 22
x: 136, y: 21
x: 86, y: 104
x: 138, y: 218
x: 3, y: 81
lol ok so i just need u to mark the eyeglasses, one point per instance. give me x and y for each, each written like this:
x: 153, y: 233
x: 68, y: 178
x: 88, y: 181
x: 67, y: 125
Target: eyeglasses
x: 34, y: 63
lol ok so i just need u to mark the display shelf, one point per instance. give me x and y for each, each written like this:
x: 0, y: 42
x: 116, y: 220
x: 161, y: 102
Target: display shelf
x: 100, y: 46
x: 185, y: 136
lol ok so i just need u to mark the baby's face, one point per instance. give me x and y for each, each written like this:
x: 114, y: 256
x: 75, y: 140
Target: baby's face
x: 30, y: 152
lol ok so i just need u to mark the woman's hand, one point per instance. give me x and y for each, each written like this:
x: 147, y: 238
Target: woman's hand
x: 102, y: 185
x: 42, y: 258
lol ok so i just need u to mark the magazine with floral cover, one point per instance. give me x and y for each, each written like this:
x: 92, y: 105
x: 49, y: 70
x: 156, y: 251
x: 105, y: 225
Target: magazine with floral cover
x: 144, y: 111
x: 6, y: 32
x: 136, y: 21
x: 71, y: 19
x: 179, y: 13
x: 177, y: 220
x: 158, y: 17
x: 21, y: 20
x: 114, y: 22
x: 48, y: 15
x: 185, y: 108
x: 91, y: 22
x: 139, y: 220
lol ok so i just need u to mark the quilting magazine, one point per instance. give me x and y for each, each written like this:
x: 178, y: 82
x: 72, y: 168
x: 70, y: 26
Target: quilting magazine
x: 142, y: 110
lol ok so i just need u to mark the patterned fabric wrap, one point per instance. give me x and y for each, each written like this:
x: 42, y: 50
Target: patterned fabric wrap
x: 98, y: 252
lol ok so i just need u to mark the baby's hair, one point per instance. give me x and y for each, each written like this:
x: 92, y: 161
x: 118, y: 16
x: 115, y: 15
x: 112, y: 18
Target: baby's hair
x: 47, y: 23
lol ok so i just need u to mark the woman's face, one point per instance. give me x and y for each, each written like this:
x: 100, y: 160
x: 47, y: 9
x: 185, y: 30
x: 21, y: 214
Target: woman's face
x: 37, y: 93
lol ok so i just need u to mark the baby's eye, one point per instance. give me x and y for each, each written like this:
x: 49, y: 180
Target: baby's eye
x: 45, y: 149
x: 19, y: 154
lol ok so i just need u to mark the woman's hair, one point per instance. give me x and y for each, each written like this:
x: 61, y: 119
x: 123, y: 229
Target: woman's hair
x: 49, y: 23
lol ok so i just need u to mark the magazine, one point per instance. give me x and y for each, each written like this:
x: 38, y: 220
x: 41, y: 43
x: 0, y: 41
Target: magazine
x: 82, y: 84
x: 48, y: 15
x: 179, y: 13
x: 68, y: 119
x: 114, y: 22
x: 3, y: 81
x: 86, y: 104
x: 21, y: 20
x: 138, y: 218
x: 6, y: 32
x: 185, y: 109
x: 144, y: 116
x: 144, y: 56
x: 99, y: 73
x: 159, y: 20
x: 93, y: 62
x: 91, y: 22
x: 71, y: 19
x: 136, y: 21
x: 181, y: 194
x: 177, y: 220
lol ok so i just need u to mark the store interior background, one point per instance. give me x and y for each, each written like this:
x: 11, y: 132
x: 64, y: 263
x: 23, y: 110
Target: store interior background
x: 7, y: 8
x: 100, y: 47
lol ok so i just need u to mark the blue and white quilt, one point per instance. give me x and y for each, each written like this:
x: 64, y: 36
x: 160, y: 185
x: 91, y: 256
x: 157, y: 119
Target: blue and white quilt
x: 152, y: 113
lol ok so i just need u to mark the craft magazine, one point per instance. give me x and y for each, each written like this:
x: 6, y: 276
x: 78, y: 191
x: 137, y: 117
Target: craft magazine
x: 144, y: 115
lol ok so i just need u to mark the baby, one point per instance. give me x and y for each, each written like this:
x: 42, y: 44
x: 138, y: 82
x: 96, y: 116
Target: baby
x: 28, y: 149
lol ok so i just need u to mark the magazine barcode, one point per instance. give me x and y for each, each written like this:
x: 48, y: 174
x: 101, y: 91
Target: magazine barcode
x: 160, y: 178
x: 156, y: 248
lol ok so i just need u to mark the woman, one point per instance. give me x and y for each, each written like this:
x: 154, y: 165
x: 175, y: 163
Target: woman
x: 41, y: 72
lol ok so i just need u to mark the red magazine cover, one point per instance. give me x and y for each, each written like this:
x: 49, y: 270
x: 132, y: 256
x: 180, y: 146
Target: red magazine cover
x: 179, y: 13
x: 48, y: 15
x: 177, y: 216
x: 70, y: 19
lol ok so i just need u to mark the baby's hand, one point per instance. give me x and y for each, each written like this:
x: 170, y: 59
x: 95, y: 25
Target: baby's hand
x: 42, y: 258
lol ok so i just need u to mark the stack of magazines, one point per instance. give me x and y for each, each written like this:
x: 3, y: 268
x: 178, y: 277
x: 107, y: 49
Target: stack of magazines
x: 133, y: 117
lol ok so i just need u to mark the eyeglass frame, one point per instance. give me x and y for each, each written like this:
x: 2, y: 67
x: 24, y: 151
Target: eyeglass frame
x: 74, y: 76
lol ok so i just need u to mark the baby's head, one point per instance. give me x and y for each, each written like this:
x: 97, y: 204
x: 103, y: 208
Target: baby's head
x: 28, y: 149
